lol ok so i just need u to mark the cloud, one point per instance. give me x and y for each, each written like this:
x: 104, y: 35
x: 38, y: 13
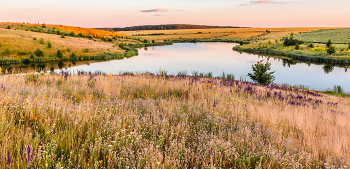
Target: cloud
x: 155, y: 10
x: 263, y: 2
x: 161, y: 10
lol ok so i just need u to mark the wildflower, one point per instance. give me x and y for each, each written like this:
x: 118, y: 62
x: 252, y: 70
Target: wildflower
x: 8, y: 159
x: 29, y: 155
x: 54, y: 131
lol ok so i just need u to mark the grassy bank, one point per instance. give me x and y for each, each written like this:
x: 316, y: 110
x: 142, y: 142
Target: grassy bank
x: 151, y: 121
x: 309, y: 47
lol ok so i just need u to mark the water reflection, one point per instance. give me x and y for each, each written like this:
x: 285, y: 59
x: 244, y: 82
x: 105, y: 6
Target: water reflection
x: 209, y: 57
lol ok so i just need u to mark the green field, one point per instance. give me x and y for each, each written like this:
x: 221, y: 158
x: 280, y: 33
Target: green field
x: 338, y: 36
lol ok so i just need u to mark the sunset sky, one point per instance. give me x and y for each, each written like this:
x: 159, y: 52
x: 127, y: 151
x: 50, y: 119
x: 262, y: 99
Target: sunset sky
x: 117, y: 13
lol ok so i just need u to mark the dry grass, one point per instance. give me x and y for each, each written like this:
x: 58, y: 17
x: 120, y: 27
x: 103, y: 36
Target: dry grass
x: 146, y: 121
x: 22, y: 41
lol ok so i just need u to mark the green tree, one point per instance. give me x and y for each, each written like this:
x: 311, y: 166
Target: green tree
x: 72, y: 34
x: 331, y: 49
x: 153, y: 41
x: 38, y: 52
x: 59, y: 54
x: 349, y: 46
x: 261, y: 74
x: 49, y: 44
x: 43, y: 25
x: 31, y: 56
x: 145, y: 41
x: 329, y: 43
x: 311, y: 45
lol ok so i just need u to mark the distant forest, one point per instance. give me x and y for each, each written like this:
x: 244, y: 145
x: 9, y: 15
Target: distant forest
x: 165, y: 27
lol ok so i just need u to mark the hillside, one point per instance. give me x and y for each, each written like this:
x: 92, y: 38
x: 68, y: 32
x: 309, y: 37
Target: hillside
x: 165, y: 27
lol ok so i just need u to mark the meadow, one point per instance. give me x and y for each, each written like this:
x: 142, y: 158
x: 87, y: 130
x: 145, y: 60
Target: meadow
x: 96, y: 120
x: 25, y: 43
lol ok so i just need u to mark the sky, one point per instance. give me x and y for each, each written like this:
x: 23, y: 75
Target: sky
x: 117, y: 13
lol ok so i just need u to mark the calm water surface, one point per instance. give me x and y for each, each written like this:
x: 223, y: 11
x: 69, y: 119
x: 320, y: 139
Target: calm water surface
x: 218, y: 58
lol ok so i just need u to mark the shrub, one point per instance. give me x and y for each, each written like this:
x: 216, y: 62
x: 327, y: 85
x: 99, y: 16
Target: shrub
x: 58, y: 32
x: 49, y: 44
x: 318, y: 49
x: 59, y: 54
x: 22, y: 53
x: 31, y: 56
x: 297, y: 47
x: 290, y: 41
x: 8, y: 27
x: 6, y: 51
x: 261, y: 74
x: 338, y: 89
x: 145, y: 41
x: 38, y: 52
x: 72, y: 34
x: 80, y: 34
x: 41, y: 41
x: 153, y: 41
x: 43, y: 25
x: 349, y: 46
x: 109, y: 39
x: 331, y: 49
x: 86, y: 50
x: 311, y: 45
x: 329, y: 43
x: 241, y: 43
x: 34, y: 38
x: 62, y: 36
x: 72, y: 56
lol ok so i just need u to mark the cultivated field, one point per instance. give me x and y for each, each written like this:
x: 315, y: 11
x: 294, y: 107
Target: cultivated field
x: 219, y: 33
x: 145, y: 121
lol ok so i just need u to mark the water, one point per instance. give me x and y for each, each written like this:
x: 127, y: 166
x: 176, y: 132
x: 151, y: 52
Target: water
x: 218, y: 58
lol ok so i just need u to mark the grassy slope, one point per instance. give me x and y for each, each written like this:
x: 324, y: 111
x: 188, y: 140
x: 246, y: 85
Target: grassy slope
x: 22, y: 41
x: 168, y: 122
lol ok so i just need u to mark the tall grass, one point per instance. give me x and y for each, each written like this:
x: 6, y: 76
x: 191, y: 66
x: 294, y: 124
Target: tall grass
x: 146, y: 121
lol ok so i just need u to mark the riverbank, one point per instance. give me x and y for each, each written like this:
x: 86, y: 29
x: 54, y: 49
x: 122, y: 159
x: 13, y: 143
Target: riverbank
x: 63, y: 120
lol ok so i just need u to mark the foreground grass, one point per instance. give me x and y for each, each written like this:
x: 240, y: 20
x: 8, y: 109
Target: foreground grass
x: 146, y: 121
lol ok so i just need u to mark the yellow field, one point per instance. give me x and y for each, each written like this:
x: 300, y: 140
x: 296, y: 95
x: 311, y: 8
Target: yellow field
x: 22, y: 41
x: 219, y: 33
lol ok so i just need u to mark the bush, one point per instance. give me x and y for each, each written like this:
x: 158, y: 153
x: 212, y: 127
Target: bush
x: 8, y: 27
x: 49, y: 44
x: 26, y: 61
x: 311, y: 45
x: 34, y: 38
x: 43, y: 25
x: 62, y: 36
x: 58, y: 32
x: 80, y: 34
x: 31, y: 56
x: 86, y: 50
x: 153, y: 41
x: 145, y: 41
x: 329, y: 43
x: 349, y: 46
x: 72, y: 34
x: 260, y: 74
x: 297, y: 47
x: 331, y: 49
x: 72, y: 56
x: 41, y: 41
x: 6, y: 52
x: 38, y: 52
x: 59, y: 54
x: 290, y: 41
